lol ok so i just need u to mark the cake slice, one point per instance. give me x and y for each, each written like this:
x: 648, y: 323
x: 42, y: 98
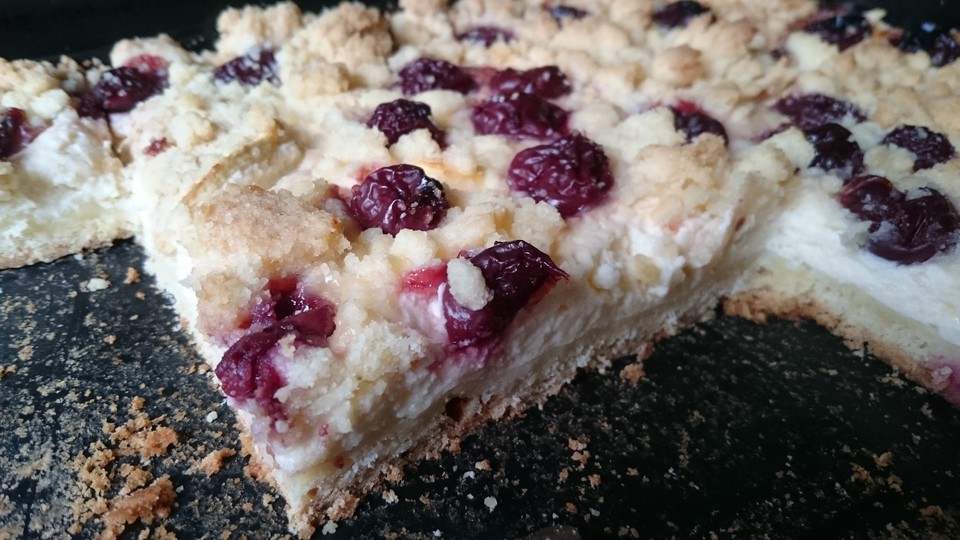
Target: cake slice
x: 867, y: 244
x: 61, y: 186
x: 461, y: 229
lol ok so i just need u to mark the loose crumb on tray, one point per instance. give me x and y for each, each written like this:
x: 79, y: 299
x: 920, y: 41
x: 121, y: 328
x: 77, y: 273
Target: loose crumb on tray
x: 213, y: 462
x: 121, y: 493
x: 632, y: 372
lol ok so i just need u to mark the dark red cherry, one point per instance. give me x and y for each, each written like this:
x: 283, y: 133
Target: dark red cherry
x: 283, y: 299
x: 250, y: 69
x: 402, y: 116
x: 87, y: 104
x: 871, y: 198
x: 844, y: 31
x: 247, y: 370
x: 696, y: 123
x: 559, y: 12
x: 678, y: 13
x: 15, y: 132
x: 935, y: 39
x: 903, y: 228
x: 811, y: 110
x: 693, y: 122
x: 149, y: 63
x: 517, y: 273
x: 925, y: 226
x: 835, y: 151
x: 571, y: 173
x: 431, y: 74
x: 486, y: 35
x: 520, y: 116
x: 122, y: 88
x: 929, y: 147
x: 547, y: 82
x: 398, y: 197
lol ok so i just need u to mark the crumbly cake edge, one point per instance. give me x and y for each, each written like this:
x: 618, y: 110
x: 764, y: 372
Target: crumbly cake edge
x: 341, y: 502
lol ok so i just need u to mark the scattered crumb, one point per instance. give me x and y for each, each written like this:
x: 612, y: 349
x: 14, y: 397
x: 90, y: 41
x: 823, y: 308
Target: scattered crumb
x: 213, y: 462
x: 390, y: 496
x: 884, y: 460
x: 394, y: 474
x: 7, y: 370
x: 482, y: 465
x: 133, y: 276
x: 134, y: 477
x: 147, y: 504
x: 893, y: 379
x: 211, y: 416
x: 581, y: 457
x: 895, y: 483
x: 931, y: 511
x: 110, y: 340
x: 594, y: 480
x: 490, y: 502
x: 454, y: 445
x: 146, y: 443
x: 632, y: 472
x: 137, y: 496
x: 632, y: 372
x: 572, y: 508
x: 574, y: 444
x: 859, y: 473
x: 563, y: 476
x: 329, y: 527
x: 25, y: 353
x: 95, y: 284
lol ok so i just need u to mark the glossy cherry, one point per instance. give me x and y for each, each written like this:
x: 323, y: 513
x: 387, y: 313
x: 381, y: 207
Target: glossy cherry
x: 678, y: 14
x: 934, y: 39
x: 248, y: 369
x: 486, y: 35
x: 425, y: 74
x: 517, y: 273
x: 15, y: 132
x: 572, y: 174
x: 520, y: 116
x: 398, y: 197
x: 812, y: 110
x: 250, y: 69
x: 547, y: 82
x: 844, y: 31
x: 929, y: 147
x: 120, y: 89
x: 693, y: 122
x: 402, y: 116
x: 903, y: 228
x: 835, y: 150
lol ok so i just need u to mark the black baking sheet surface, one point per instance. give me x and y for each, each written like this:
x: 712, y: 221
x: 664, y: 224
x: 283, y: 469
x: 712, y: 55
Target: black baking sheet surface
x: 735, y: 430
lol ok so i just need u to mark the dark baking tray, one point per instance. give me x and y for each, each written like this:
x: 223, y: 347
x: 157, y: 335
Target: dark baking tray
x: 737, y: 429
